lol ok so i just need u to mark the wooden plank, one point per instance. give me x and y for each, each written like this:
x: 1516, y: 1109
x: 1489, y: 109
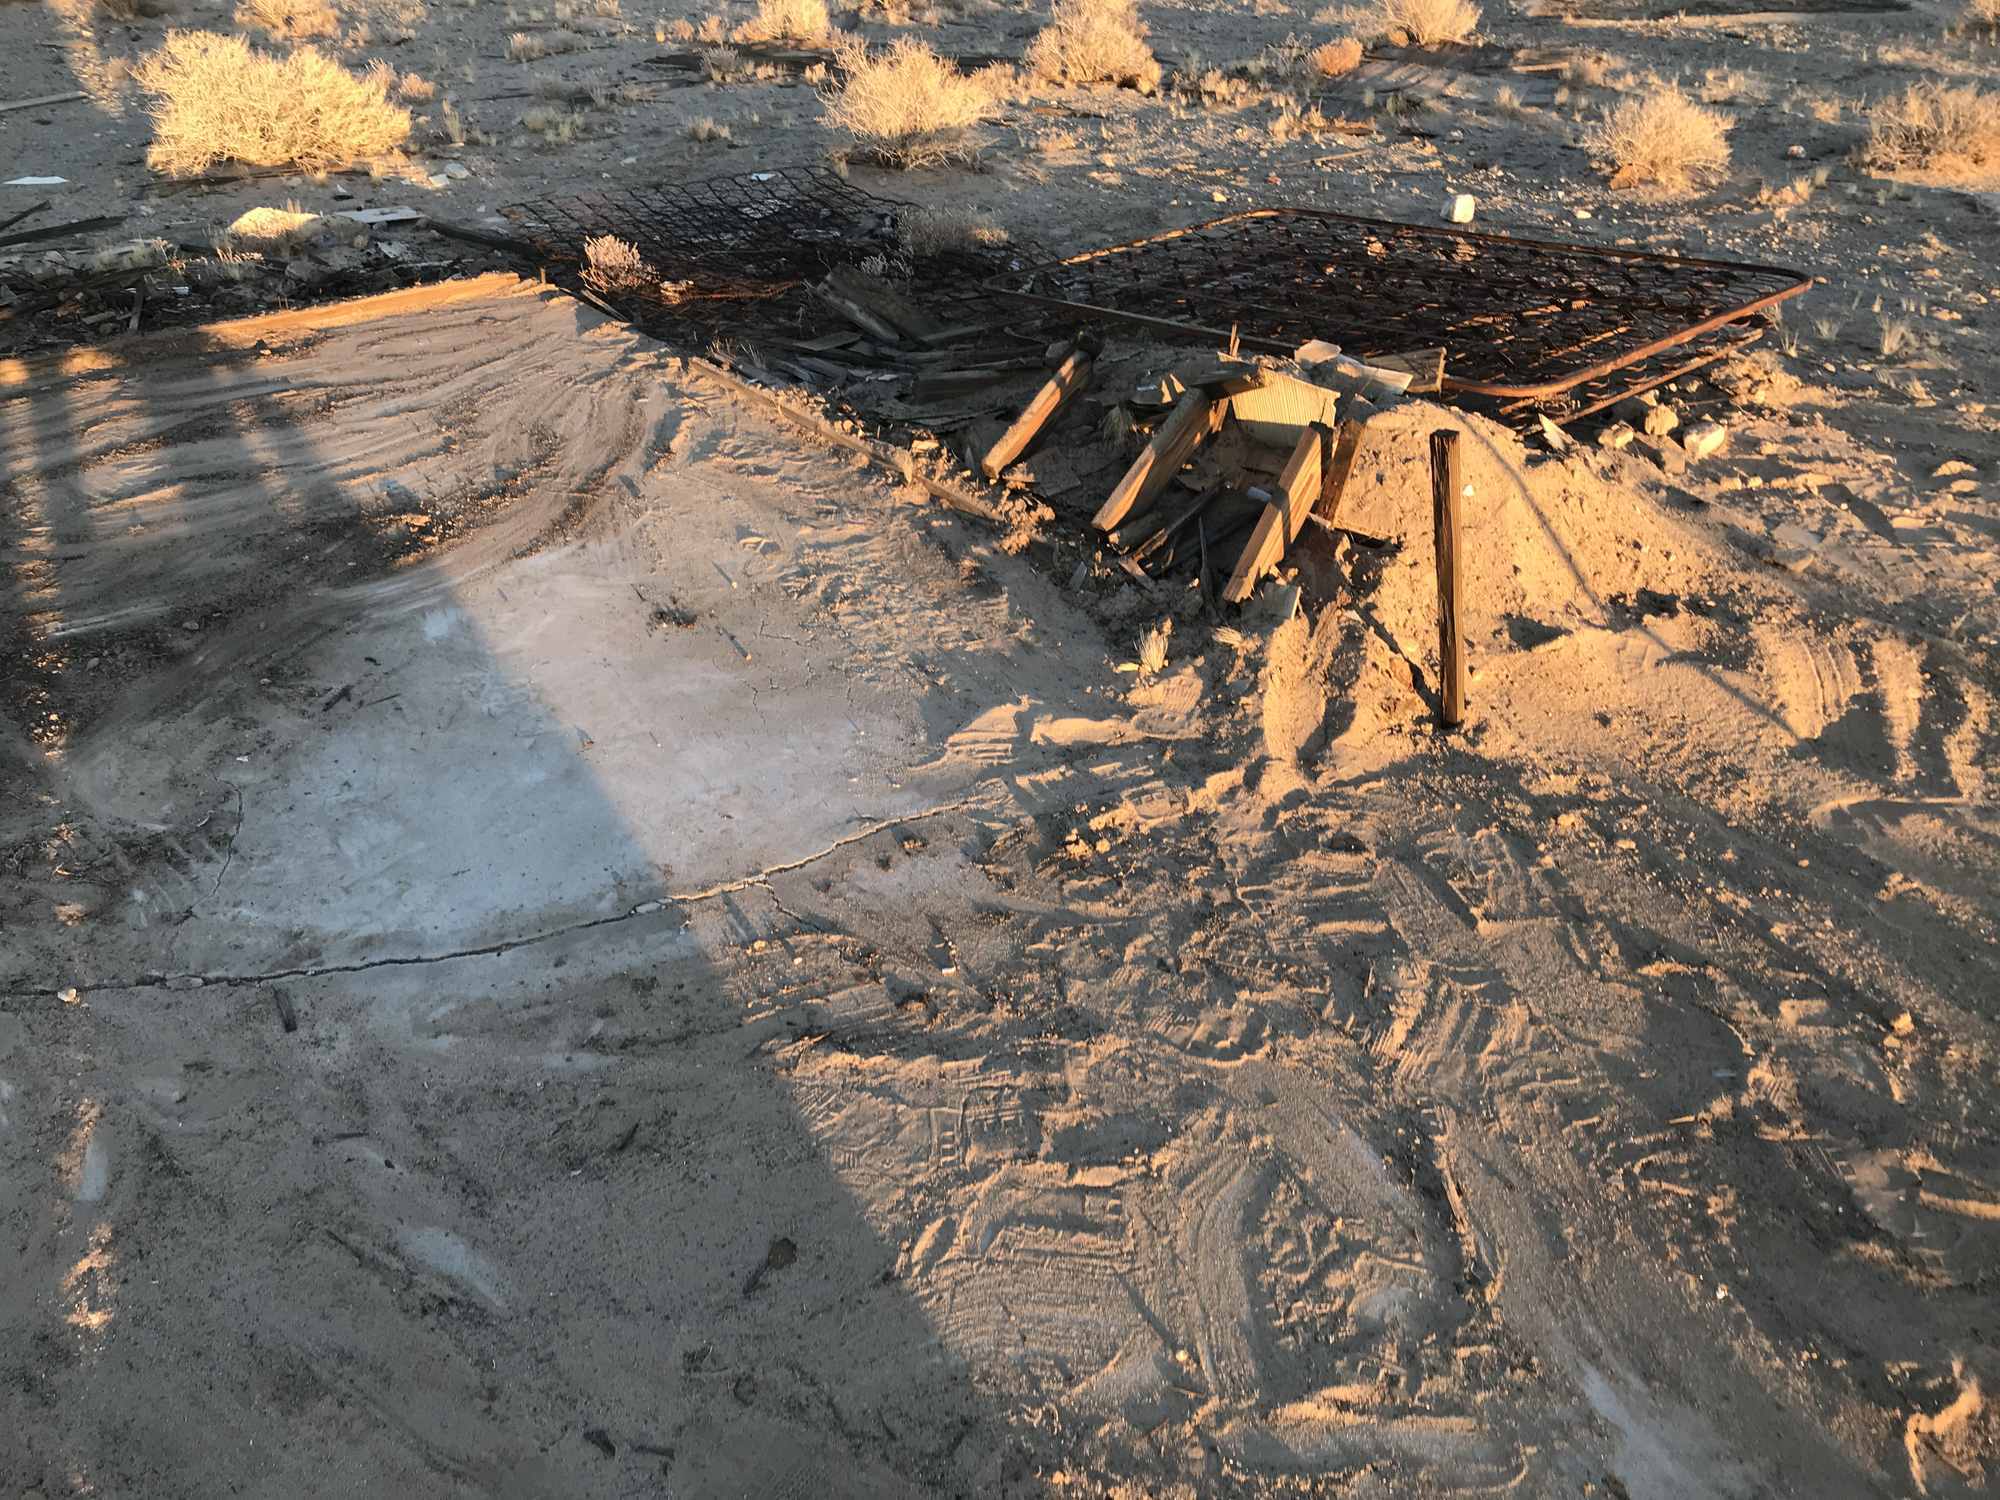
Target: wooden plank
x: 57, y: 231
x: 1447, y: 487
x: 1299, y: 484
x: 1070, y: 377
x: 1426, y: 365
x: 1334, y: 489
x: 1172, y: 445
x: 885, y: 302
x: 861, y: 317
x: 14, y: 104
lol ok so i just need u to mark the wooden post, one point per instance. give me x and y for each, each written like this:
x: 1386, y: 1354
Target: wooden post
x: 1298, y: 490
x: 1446, y: 491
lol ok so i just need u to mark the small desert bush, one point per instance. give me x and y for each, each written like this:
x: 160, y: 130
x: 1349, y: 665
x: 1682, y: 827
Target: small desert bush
x: 705, y: 130
x: 906, y: 105
x: 1337, y: 58
x: 219, y: 99
x: 1430, y: 23
x: 1663, y: 139
x: 1934, y: 128
x: 1095, y: 41
x: 614, y: 265
x: 1982, y: 15
x: 794, y: 20
x: 289, y: 20
x: 926, y: 233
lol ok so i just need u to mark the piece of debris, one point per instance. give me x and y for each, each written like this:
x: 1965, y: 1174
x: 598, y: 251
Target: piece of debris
x: 599, y: 1439
x: 1554, y: 436
x: 1072, y: 376
x: 1648, y: 415
x: 1459, y: 208
x: 1704, y: 438
x: 781, y: 1253
x: 1616, y: 436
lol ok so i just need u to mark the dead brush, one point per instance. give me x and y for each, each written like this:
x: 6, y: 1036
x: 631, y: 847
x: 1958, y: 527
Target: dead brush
x: 720, y: 64
x: 705, y: 130
x: 1336, y: 59
x: 927, y: 233
x: 1095, y: 41
x: 219, y: 99
x: 554, y: 125
x: 1662, y: 139
x: 905, y: 106
x: 1981, y: 15
x: 1429, y: 23
x: 789, y: 20
x: 289, y: 20
x: 1934, y: 128
x: 614, y: 265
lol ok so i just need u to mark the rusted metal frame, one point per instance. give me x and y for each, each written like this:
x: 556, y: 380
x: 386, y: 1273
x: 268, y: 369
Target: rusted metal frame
x: 1628, y: 296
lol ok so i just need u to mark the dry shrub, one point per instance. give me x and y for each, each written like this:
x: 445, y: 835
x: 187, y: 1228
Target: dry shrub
x: 1664, y: 139
x: 1095, y: 41
x: 289, y: 20
x: 793, y: 20
x: 1934, y: 128
x: 219, y: 99
x: 1982, y: 15
x: 907, y: 106
x: 1336, y: 59
x: 613, y: 265
x: 705, y: 130
x: 928, y: 232
x: 1430, y: 23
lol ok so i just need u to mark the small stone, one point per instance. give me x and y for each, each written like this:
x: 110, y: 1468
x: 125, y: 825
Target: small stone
x: 1660, y: 420
x: 1459, y: 208
x: 1616, y: 436
x: 1795, y: 153
x: 1951, y: 467
x: 68, y: 995
x: 457, y: 169
x: 1704, y: 438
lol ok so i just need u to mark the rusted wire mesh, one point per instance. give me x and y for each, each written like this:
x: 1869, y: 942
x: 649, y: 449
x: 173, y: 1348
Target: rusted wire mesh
x: 1519, y: 320
x: 737, y: 253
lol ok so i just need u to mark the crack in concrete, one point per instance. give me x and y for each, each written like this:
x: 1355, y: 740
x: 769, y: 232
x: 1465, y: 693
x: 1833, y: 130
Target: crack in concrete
x: 506, y: 945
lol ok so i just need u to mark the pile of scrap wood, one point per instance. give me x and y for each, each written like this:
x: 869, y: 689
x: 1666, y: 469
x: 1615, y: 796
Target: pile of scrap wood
x: 1243, y: 456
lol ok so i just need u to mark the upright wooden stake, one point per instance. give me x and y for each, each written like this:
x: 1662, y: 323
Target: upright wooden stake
x: 1446, y: 489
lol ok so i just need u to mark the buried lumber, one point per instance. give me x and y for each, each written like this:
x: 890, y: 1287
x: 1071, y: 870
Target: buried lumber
x: 883, y: 457
x: 1446, y: 491
x: 1299, y: 485
x: 1072, y: 376
x: 883, y: 302
x: 1193, y: 418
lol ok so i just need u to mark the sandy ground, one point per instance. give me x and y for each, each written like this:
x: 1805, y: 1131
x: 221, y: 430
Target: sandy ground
x: 554, y: 941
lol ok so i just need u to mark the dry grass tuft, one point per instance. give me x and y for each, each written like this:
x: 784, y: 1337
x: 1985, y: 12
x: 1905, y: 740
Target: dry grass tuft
x: 1662, y: 139
x: 1934, y: 128
x: 1430, y: 23
x: 790, y: 20
x: 415, y: 89
x: 218, y: 99
x: 906, y: 106
x: 612, y: 265
x: 289, y: 20
x: 1095, y: 41
x: 926, y: 233
x: 1981, y: 15
x: 1336, y: 59
x: 706, y: 130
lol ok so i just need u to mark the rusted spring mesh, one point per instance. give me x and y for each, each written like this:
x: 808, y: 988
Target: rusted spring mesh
x: 1520, y: 319
x: 755, y: 237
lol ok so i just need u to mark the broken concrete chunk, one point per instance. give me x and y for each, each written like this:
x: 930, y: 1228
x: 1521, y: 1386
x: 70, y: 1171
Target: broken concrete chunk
x: 1459, y: 208
x: 1704, y: 438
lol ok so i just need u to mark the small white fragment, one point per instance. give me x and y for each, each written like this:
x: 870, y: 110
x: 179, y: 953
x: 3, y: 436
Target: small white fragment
x: 1459, y: 208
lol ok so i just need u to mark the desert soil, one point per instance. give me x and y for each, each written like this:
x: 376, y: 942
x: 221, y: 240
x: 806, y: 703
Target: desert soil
x: 558, y: 940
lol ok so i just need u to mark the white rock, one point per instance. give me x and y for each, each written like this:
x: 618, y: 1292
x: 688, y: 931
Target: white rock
x: 1459, y: 208
x: 1704, y: 438
x: 1617, y: 435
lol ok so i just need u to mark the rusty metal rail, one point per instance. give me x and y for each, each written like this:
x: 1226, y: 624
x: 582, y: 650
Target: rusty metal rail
x: 1522, y: 321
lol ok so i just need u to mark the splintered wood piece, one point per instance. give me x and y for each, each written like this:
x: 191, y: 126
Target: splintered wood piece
x: 1446, y: 489
x: 1338, y: 471
x: 1070, y: 377
x: 1426, y: 365
x: 884, y: 302
x: 858, y: 315
x: 1227, y: 379
x: 1299, y: 485
x: 1193, y: 418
